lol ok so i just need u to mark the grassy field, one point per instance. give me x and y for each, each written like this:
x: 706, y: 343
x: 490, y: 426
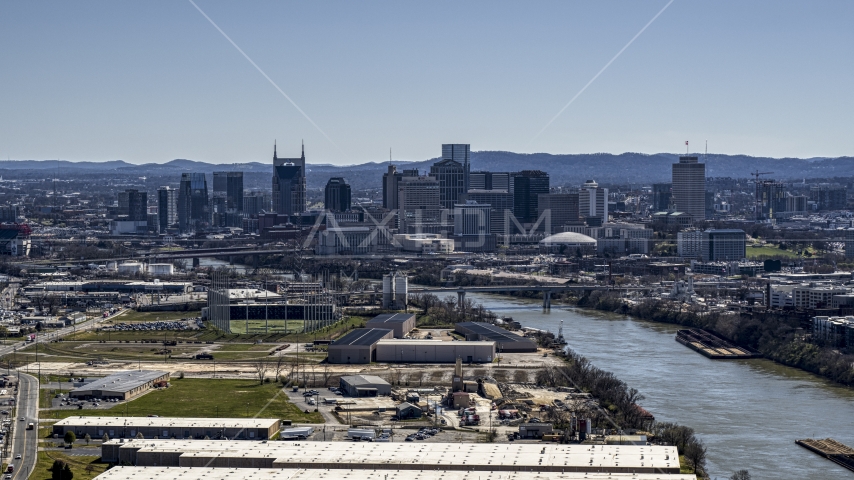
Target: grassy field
x: 136, y: 317
x: 263, y: 326
x: 206, y: 398
x: 769, y: 251
x: 83, y: 468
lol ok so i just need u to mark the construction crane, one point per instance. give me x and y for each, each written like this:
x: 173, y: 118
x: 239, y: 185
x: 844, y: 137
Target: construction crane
x: 758, y: 206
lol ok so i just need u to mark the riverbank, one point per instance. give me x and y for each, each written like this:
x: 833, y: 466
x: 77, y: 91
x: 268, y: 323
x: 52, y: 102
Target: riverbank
x: 775, y: 337
x: 747, y: 412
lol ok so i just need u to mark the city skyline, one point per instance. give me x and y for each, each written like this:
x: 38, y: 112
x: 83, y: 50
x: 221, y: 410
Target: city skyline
x: 162, y: 83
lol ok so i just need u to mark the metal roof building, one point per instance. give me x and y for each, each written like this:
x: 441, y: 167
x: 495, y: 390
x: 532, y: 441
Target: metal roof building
x: 506, y: 341
x: 400, y: 323
x: 364, y: 385
x: 169, y: 427
x: 358, y: 346
x: 353, y: 456
x: 173, y: 473
x: 124, y: 385
x: 434, y: 351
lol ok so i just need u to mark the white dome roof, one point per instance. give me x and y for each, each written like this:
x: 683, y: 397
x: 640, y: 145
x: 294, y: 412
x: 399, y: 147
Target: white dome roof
x: 568, y: 238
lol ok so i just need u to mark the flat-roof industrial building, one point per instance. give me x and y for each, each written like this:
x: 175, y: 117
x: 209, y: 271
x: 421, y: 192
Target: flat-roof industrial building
x: 391, y: 457
x: 357, y: 346
x: 364, y: 385
x: 434, y: 351
x: 169, y: 427
x: 400, y: 323
x: 122, y: 385
x: 201, y: 473
x: 506, y: 342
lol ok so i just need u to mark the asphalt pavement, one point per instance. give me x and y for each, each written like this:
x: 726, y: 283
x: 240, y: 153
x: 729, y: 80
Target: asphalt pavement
x: 25, y: 442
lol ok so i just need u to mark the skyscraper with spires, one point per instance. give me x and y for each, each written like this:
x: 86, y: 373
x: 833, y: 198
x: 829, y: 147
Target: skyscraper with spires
x: 289, y: 184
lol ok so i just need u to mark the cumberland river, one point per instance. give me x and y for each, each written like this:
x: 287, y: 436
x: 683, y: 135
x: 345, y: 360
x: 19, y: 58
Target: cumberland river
x: 748, y: 412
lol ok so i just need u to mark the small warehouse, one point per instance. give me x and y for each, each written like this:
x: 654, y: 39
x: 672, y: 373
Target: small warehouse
x: 434, y: 351
x: 400, y: 323
x: 505, y: 341
x: 169, y: 427
x: 123, y: 385
x: 408, y: 411
x: 358, y: 346
x: 535, y: 430
x: 364, y: 386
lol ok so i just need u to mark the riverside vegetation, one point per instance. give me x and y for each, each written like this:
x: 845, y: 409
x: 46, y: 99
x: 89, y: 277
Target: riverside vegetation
x: 776, y: 336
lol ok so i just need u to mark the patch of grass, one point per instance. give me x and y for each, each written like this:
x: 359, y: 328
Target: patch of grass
x: 266, y: 326
x: 769, y: 251
x: 136, y: 317
x: 206, y: 398
x: 78, y: 465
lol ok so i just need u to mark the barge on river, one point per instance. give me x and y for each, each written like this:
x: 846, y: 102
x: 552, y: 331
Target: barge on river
x: 829, y: 448
x: 713, y: 346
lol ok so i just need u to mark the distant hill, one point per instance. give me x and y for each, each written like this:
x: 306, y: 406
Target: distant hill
x: 563, y: 169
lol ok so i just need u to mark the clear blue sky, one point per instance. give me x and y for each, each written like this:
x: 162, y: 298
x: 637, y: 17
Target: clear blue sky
x: 150, y: 81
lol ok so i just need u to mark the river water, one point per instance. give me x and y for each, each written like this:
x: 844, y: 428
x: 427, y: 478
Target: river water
x: 748, y: 412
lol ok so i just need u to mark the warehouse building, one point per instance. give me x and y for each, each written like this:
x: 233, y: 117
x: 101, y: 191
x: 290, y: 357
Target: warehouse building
x: 358, y: 346
x: 505, y: 342
x: 173, y: 473
x: 400, y: 323
x: 434, y: 351
x: 169, y: 427
x: 351, y: 457
x: 122, y: 386
x: 364, y: 386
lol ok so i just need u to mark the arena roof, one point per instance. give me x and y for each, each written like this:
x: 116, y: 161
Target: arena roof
x: 568, y: 238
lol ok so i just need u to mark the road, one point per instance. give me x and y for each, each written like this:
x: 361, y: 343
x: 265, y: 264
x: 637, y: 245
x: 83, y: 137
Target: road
x: 25, y: 442
x: 47, y: 337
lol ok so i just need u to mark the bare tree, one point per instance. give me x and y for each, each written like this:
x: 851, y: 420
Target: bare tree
x: 327, y: 374
x: 261, y: 369
x: 279, y: 365
x: 740, y: 475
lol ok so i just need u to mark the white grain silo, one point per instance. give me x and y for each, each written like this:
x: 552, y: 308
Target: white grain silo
x: 388, y: 290
x: 130, y: 268
x: 401, y: 291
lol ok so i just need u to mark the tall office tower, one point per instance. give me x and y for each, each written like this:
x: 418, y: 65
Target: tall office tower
x: 796, y: 203
x: 528, y: 185
x: 661, y: 197
x: 390, y: 180
x: 472, y: 218
x: 451, y: 178
x: 593, y: 203
x: 723, y: 245
x: 491, y: 181
x: 501, y: 207
x: 167, y: 207
x: 253, y: 204
x: 288, y: 184
x: 228, y: 198
x: 137, y: 205
x: 123, y: 199
x: 193, y: 207
x: 829, y: 197
x: 459, y: 152
x: 562, y: 208
x: 770, y: 199
x: 689, y: 187
x: 417, y: 203
x: 336, y: 196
